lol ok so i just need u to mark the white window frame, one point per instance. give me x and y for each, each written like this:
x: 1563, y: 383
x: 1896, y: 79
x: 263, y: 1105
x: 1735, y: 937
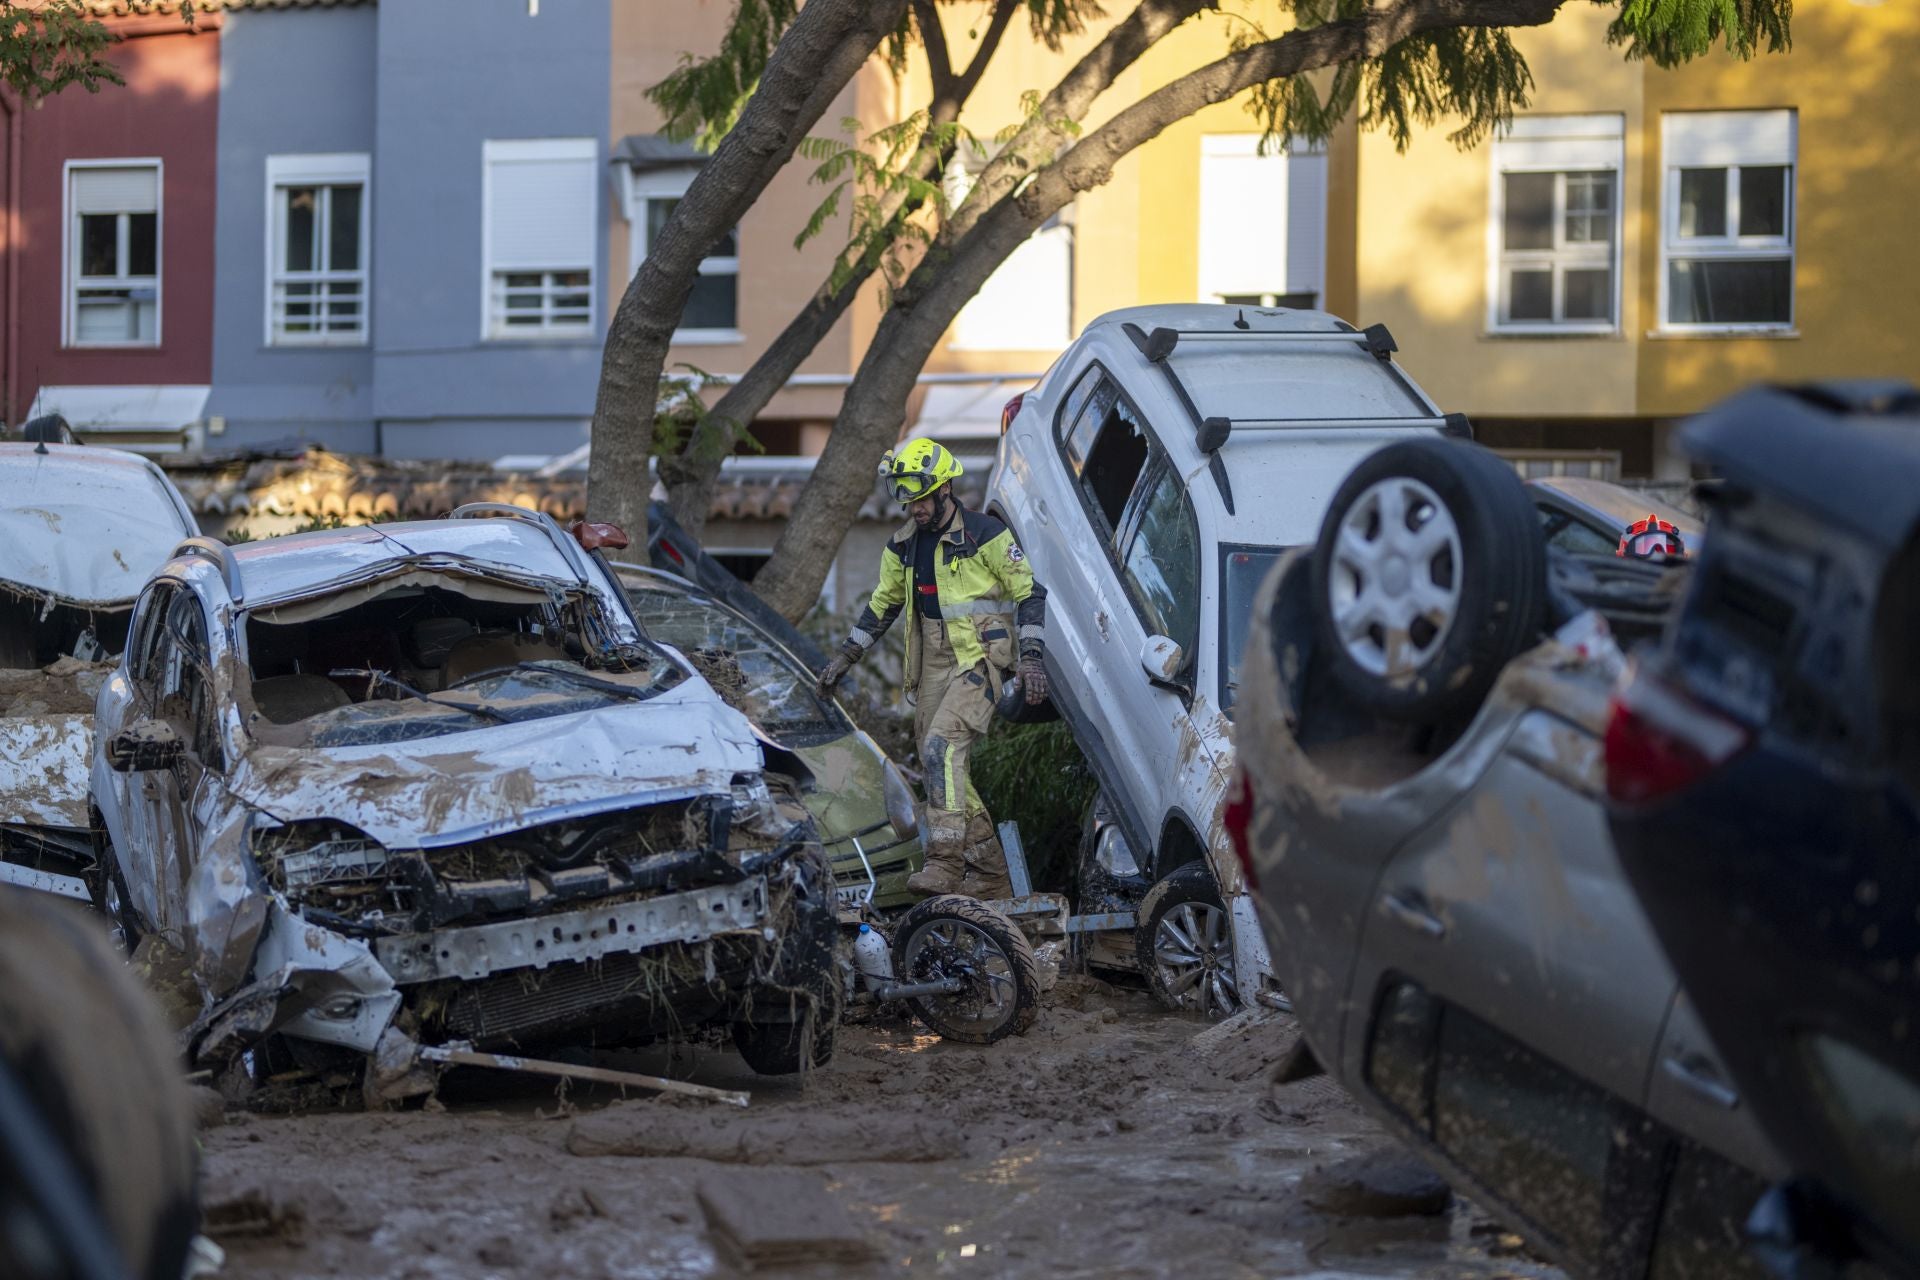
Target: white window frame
x: 507, y: 150
x: 1730, y: 154
x: 1559, y: 145
x: 672, y: 184
x: 1240, y: 146
x: 319, y: 170
x: 71, y: 281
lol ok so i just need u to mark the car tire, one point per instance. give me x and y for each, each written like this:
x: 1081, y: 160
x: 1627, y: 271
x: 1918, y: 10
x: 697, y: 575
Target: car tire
x: 953, y: 936
x: 789, y: 1048
x: 110, y: 897
x: 87, y: 1051
x: 1429, y: 576
x: 1184, y: 940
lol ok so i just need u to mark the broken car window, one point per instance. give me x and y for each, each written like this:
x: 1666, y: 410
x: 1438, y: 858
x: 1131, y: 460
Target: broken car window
x: 746, y: 668
x: 1163, y: 563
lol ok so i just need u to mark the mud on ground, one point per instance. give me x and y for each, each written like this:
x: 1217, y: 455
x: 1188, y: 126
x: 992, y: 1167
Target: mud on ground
x: 1112, y: 1140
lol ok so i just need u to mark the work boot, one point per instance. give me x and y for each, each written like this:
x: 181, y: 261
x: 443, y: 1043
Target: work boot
x: 944, y: 868
x: 986, y: 877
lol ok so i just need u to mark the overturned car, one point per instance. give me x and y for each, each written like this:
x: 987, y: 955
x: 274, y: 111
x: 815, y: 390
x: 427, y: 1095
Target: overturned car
x: 81, y: 529
x: 429, y: 782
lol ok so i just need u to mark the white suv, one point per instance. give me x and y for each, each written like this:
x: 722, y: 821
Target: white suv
x: 1153, y: 477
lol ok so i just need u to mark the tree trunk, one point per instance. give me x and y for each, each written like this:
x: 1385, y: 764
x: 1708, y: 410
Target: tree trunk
x: 824, y: 48
x: 875, y: 404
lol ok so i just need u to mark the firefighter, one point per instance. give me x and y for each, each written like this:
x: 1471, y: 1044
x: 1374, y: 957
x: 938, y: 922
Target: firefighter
x: 971, y: 605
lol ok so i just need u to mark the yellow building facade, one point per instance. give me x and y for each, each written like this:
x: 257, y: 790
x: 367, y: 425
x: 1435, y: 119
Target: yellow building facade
x: 1641, y: 243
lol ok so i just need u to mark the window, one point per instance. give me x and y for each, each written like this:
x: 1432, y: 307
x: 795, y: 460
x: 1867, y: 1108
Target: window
x: 1107, y: 447
x: 1162, y: 564
x: 113, y: 263
x: 1027, y: 303
x: 1556, y: 224
x: 1263, y: 222
x: 317, y: 249
x: 540, y: 210
x: 1727, y: 246
x: 712, y: 313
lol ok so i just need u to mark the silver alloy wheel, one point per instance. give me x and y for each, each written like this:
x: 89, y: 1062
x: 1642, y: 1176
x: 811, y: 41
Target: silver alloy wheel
x: 1193, y: 950
x: 1394, y: 591
x: 949, y: 948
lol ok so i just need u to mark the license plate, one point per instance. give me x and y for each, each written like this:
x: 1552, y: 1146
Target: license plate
x: 850, y: 897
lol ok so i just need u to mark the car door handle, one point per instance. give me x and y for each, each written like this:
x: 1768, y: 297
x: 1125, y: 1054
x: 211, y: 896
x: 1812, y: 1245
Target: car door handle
x: 1409, y: 907
x: 1698, y: 1076
x: 1040, y: 509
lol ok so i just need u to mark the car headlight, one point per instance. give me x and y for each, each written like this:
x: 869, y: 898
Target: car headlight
x: 901, y: 811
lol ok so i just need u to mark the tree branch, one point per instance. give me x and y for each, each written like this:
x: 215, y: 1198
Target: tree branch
x: 871, y: 411
x: 1003, y: 12
x: 934, y: 37
x: 821, y: 51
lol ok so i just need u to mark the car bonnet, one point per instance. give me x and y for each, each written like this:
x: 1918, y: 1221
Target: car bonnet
x: 490, y: 780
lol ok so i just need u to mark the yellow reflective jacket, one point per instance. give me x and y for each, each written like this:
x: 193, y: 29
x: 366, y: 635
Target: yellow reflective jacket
x: 987, y: 594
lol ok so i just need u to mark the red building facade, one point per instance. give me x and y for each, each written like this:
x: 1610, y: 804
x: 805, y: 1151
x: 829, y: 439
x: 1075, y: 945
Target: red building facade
x: 107, y: 226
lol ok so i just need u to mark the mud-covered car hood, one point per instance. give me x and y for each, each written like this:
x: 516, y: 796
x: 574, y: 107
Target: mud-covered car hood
x: 467, y: 786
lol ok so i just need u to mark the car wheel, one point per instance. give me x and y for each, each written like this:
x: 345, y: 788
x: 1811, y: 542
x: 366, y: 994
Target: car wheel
x: 111, y: 898
x: 1185, y: 943
x: 951, y: 937
x: 1430, y: 574
x: 787, y: 1048
x: 91, y: 1070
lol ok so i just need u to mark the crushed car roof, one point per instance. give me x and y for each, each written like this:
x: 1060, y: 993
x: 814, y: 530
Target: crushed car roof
x: 276, y: 568
x: 85, y: 524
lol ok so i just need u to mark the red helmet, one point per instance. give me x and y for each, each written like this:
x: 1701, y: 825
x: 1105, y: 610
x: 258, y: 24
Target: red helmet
x: 1651, y: 539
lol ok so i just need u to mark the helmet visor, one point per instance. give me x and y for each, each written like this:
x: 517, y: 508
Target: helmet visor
x: 911, y: 486
x: 1651, y: 543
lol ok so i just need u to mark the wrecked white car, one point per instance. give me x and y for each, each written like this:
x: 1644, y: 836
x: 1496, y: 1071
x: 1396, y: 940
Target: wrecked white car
x: 430, y: 783
x: 81, y: 530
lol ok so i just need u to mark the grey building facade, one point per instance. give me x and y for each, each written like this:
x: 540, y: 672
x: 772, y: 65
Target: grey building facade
x: 413, y: 214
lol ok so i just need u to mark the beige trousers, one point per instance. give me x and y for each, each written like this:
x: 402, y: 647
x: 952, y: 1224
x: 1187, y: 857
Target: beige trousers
x: 954, y: 711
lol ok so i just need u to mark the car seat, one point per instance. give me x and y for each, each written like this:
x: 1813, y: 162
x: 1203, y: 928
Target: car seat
x: 293, y: 698
x: 496, y: 651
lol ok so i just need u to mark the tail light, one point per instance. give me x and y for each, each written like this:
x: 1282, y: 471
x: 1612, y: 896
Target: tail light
x: 1238, y: 815
x: 1008, y: 410
x: 1659, y: 741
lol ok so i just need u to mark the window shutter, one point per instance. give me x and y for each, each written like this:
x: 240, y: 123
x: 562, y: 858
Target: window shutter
x: 1711, y: 139
x: 1307, y: 225
x: 135, y: 189
x: 1564, y: 144
x: 542, y: 205
x: 1243, y: 246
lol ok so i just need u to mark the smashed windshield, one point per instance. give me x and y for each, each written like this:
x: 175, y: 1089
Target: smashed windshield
x: 1242, y: 569
x: 745, y: 667
x: 425, y: 652
x: 532, y: 691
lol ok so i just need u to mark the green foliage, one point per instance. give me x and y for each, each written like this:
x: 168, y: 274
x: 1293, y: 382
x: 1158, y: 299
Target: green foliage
x: 44, y: 50
x: 1476, y: 75
x: 1672, y: 31
x: 704, y: 96
x: 1036, y: 775
x: 682, y: 426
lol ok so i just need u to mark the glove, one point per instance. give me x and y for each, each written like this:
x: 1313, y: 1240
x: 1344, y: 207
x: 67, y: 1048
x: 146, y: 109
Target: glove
x: 1033, y: 678
x: 830, y: 675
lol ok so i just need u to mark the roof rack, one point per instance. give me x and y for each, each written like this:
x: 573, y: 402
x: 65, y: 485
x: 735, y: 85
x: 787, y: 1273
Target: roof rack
x: 569, y: 547
x: 1160, y: 343
x: 221, y: 554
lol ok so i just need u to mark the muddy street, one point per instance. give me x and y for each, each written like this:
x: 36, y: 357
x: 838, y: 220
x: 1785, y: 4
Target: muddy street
x: 1113, y: 1140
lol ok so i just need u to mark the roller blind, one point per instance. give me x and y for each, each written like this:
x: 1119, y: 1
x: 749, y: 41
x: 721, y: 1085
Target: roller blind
x: 132, y: 189
x: 1561, y: 143
x: 1706, y: 139
x: 1262, y: 218
x: 541, y: 211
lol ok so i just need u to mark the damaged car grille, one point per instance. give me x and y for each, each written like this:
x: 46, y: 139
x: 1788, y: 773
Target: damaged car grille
x: 333, y: 875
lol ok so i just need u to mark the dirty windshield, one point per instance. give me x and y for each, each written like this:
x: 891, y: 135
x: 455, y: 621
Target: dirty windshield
x: 1242, y: 569
x: 743, y: 665
x: 1308, y: 381
x: 426, y: 653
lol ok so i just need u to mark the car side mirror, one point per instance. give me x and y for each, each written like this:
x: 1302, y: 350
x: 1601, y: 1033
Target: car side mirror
x: 144, y: 746
x: 1161, y: 658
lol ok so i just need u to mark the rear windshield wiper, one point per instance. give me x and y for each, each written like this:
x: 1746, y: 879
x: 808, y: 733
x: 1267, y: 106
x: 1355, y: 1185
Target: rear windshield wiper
x: 480, y: 709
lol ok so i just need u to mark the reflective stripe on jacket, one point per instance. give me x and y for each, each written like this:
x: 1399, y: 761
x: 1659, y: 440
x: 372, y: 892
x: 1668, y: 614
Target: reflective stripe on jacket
x: 988, y: 597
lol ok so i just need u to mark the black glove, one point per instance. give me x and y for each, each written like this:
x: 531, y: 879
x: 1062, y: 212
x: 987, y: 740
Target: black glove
x: 842, y: 663
x: 1033, y: 678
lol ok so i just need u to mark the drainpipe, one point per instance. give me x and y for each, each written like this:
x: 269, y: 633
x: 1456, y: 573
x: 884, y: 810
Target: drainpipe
x: 13, y: 105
